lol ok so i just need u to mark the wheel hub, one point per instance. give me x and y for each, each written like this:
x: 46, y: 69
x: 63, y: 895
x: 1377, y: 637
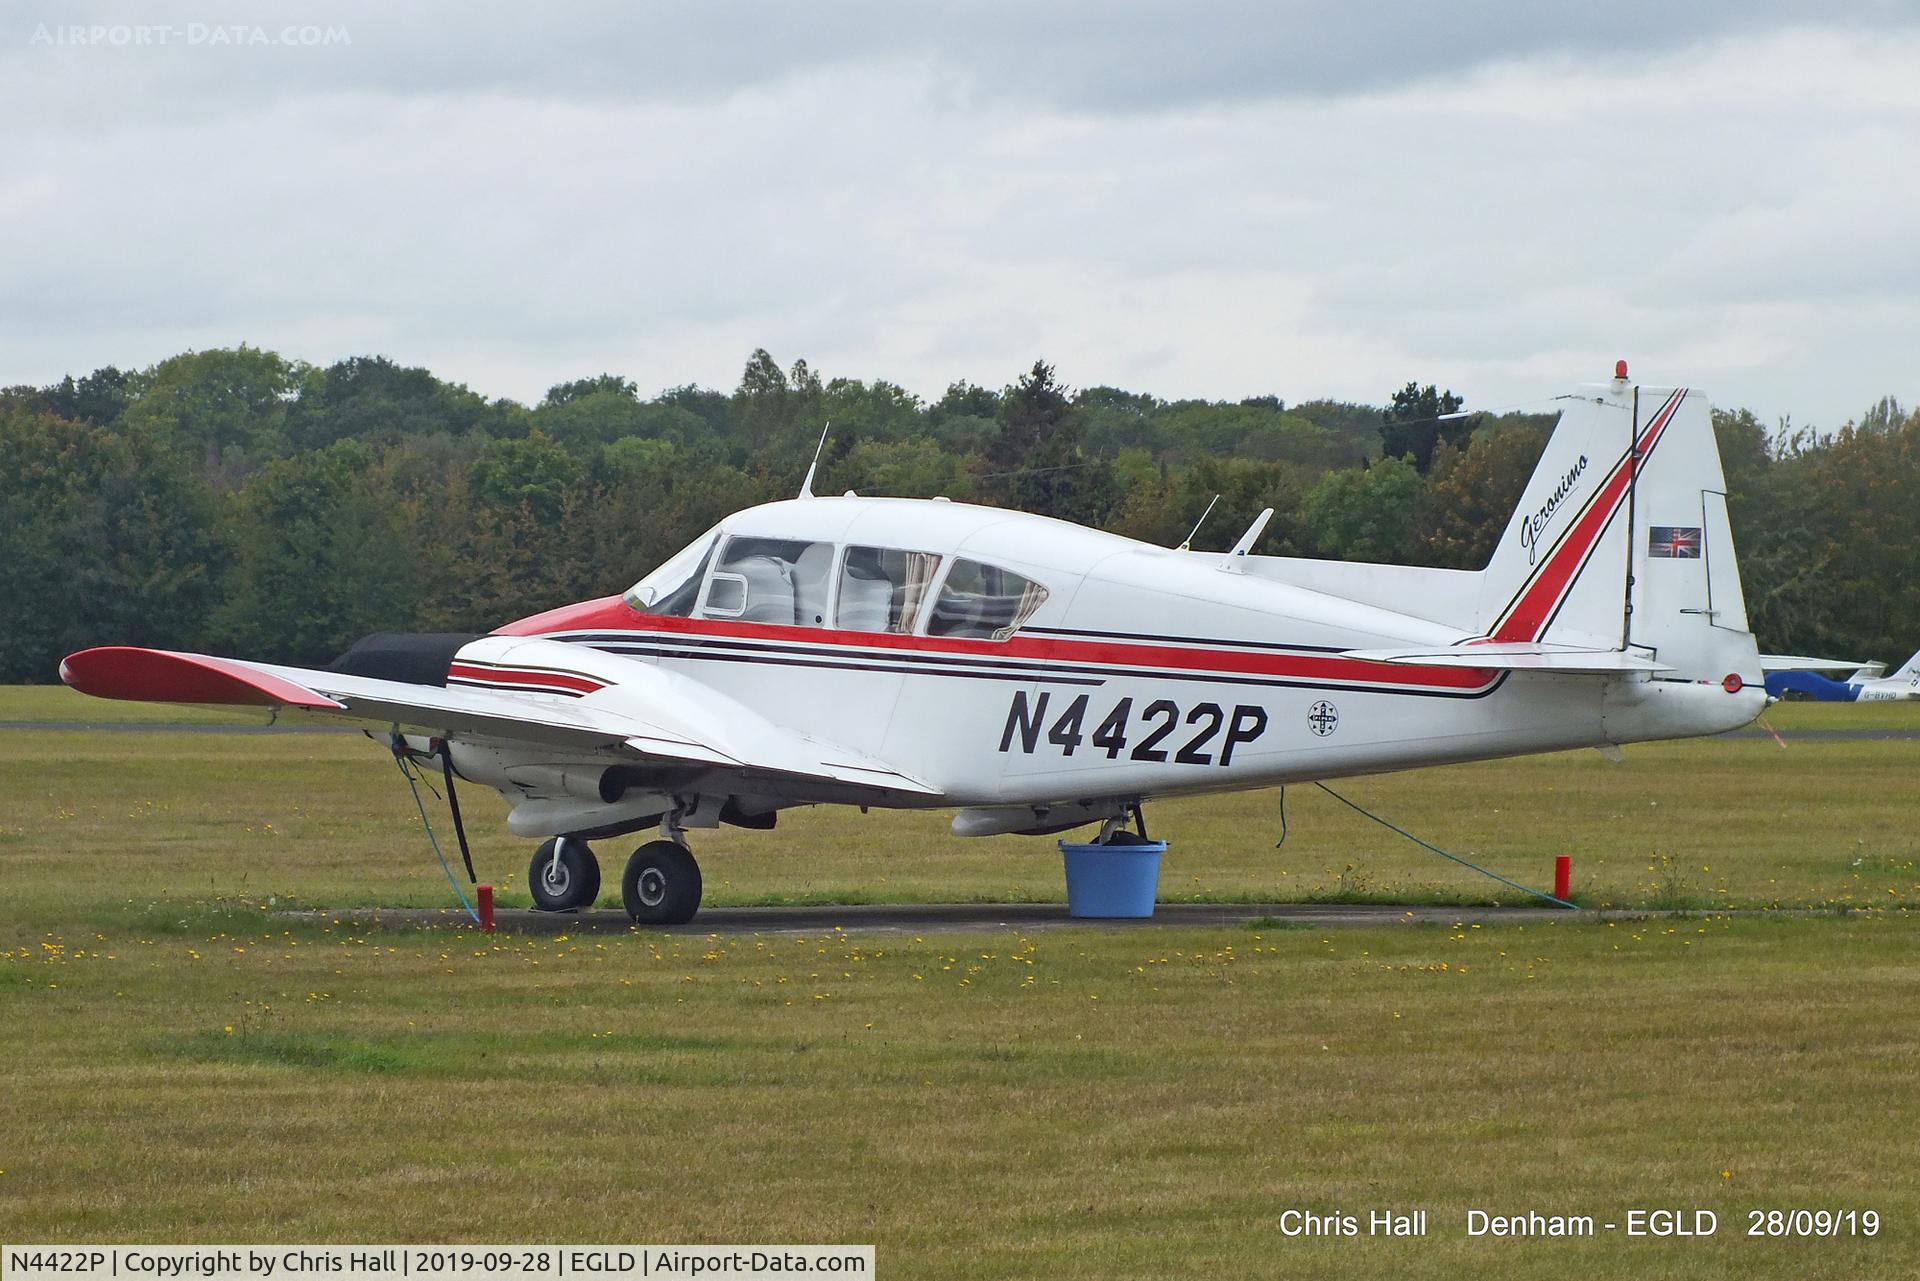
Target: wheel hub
x: 653, y: 887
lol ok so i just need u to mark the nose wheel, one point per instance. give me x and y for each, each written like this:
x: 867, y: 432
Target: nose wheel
x: 564, y: 875
x: 662, y: 884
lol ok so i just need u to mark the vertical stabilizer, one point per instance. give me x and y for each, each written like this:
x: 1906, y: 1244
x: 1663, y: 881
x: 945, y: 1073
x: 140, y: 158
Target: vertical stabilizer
x: 1621, y: 539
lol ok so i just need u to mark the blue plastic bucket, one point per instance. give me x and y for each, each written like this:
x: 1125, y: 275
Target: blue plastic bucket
x: 1112, y: 880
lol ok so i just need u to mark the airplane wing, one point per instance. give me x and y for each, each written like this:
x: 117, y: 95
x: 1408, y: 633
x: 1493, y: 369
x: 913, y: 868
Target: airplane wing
x: 643, y: 712
x: 1797, y: 663
x: 1517, y: 656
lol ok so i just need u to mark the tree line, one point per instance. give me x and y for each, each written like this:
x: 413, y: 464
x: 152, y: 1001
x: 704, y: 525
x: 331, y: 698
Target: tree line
x: 237, y: 501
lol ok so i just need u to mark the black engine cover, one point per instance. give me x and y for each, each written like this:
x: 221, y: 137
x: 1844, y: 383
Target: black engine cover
x: 418, y: 658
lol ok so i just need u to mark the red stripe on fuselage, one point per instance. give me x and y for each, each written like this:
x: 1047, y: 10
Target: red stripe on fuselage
x: 522, y: 677
x: 1527, y: 618
x: 613, y: 614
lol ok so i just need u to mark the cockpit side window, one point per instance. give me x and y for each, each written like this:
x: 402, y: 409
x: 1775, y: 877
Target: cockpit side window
x: 882, y: 589
x: 984, y: 602
x: 674, y: 588
x: 772, y: 580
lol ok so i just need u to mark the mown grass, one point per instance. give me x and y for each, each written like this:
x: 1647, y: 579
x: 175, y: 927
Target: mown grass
x: 185, y: 1062
x: 1071, y: 1104
x: 112, y: 824
x: 58, y: 704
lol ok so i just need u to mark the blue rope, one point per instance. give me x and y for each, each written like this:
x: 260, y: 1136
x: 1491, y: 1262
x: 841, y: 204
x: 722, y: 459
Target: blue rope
x: 1524, y: 889
x: 458, y: 893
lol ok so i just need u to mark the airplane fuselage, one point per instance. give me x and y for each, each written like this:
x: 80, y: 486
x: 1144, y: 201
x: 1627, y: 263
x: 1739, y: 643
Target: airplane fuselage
x: 1145, y: 672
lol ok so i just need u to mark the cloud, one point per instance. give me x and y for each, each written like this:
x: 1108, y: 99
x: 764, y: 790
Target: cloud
x: 1093, y: 55
x: 1329, y: 201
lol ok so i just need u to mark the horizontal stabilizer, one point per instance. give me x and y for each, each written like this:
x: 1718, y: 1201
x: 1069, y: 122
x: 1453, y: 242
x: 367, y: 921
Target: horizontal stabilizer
x: 1517, y: 656
x: 1797, y: 663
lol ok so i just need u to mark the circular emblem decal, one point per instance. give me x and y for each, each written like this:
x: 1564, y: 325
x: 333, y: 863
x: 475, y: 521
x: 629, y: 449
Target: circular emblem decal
x: 1323, y: 718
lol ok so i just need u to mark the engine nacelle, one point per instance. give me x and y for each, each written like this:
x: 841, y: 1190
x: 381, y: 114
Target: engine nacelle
x: 511, y: 772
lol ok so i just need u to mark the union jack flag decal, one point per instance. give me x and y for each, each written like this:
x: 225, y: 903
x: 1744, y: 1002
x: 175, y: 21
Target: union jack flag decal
x: 1675, y: 542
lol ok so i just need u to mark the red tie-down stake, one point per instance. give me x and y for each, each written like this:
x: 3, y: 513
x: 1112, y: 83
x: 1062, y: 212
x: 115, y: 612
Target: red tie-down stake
x: 483, y: 895
x: 1562, y: 876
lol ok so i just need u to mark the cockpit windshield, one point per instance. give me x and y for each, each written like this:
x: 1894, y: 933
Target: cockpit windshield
x: 674, y: 588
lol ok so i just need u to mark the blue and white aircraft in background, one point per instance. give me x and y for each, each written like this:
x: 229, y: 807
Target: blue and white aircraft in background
x: 1864, y: 684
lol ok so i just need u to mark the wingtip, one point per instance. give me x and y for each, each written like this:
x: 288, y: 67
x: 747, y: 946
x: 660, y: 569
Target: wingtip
x: 163, y: 676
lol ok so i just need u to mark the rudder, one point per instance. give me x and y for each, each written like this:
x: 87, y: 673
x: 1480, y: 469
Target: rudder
x: 1621, y: 539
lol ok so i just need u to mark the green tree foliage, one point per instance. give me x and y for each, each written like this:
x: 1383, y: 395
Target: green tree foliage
x: 881, y: 411
x: 319, y: 559
x: 778, y: 416
x: 233, y: 500
x: 1410, y: 427
x: 713, y: 408
x: 536, y: 473
x: 1036, y: 463
x: 106, y: 535
x: 1829, y: 542
x: 373, y: 400
x: 227, y: 406
x: 99, y: 398
x: 1357, y: 427
x: 1162, y: 505
x: 609, y: 384
x: 1371, y: 513
x: 913, y: 468
x: 966, y: 419
x: 1470, y: 496
x: 1114, y: 420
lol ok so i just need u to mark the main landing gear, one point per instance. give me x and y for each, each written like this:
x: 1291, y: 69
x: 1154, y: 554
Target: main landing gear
x: 661, y: 885
x: 1114, y: 830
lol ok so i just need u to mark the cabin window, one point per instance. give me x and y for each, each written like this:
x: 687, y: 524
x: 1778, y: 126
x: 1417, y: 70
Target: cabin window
x: 983, y: 601
x: 881, y: 589
x: 674, y: 588
x: 771, y: 580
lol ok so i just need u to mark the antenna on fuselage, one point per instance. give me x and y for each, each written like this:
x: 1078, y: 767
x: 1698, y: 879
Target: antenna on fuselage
x: 806, y: 486
x: 1188, y: 545
x: 1235, y: 560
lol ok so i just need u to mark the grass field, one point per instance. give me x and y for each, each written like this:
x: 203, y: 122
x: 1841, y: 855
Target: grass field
x: 187, y: 1063
x: 106, y: 824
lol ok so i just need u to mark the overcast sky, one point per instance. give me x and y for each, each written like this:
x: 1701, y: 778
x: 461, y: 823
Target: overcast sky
x: 1220, y: 201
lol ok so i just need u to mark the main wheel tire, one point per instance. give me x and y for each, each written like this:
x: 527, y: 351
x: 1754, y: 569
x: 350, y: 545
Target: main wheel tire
x: 662, y: 884
x: 573, y: 881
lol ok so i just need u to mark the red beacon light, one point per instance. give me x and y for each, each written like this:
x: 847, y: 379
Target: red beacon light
x: 1620, y: 370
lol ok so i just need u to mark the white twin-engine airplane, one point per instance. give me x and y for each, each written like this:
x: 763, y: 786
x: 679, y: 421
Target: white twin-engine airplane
x: 1037, y: 676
